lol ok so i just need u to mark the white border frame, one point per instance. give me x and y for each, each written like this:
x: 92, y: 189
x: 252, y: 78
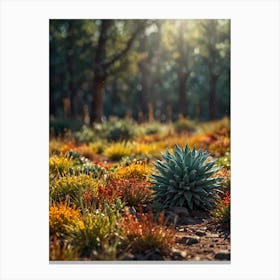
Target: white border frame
x: 255, y: 138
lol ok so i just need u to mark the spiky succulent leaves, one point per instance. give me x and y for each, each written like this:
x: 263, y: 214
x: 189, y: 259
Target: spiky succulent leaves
x: 184, y: 178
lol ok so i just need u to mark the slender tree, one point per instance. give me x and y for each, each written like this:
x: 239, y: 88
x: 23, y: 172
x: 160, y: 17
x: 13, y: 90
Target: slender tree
x: 182, y: 69
x: 212, y: 36
x: 102, y: 64
x: 71, y: 68
x: 211, y: 63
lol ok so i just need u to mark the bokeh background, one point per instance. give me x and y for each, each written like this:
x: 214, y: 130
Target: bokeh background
x: 141, y: 69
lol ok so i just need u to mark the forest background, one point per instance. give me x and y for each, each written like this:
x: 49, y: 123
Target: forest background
x: 142, y: 69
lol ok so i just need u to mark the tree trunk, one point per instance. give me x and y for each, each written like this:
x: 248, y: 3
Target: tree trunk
x: 52, y: 95
x: 143, y: 67
x: 102, y: 65
x: 212, y: 96
x: 71, y: 66
x: 182, y: 91
x: 182, y: 71
x: 97, y: 104
x: 144, y: 94
x: 212, y: 66
x: 100, y: 72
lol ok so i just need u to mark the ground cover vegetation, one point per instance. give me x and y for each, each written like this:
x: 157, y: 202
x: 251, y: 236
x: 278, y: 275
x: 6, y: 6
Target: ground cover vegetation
x: 119, y: 199
x: 139, y: 147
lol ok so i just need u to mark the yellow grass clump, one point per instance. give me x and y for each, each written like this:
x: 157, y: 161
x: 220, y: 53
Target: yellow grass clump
x: 61, y: 216
x: 135, y: 170
x: 59, y: 165
x: 118, y: 150
x: 147, y: 149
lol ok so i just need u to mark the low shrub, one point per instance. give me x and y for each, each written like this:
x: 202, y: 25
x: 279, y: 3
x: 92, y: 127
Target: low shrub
x: 97, y: 236
x: 67, y: 147
x: 106, y: 165
x: 55, y: 147
x: 61, y: 216
x: 222, y: 127
x: 94, y: 170
x: 89, y: 199
x: 221, y: 146
x: 76, y: 156
x: 71, y: 188
x: 117, y: 130
x: 224, y: 161
x: 146, y: 149
x: 58, y: 127
x: 60, y: 165
x: 134, y: 170
x: 222, y: 211
x: 97, y: 147
x: 118, y: 150
x: 201, y: 141
x: 60, y: 250
x: 147, y: 139
x: 144, y: 232
x: 86, y: 152
x: 153, y: 128
x: 85, y: 135
x: 133, y: 191
x: 219, y: 127
x: 184, y: 125
x: 108, y: 194
x: 225, y: 175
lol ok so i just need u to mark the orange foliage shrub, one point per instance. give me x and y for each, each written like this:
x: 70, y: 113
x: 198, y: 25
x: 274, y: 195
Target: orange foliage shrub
x: 145, y: 232
x: 86, y: 151
x: 133, y: 191
x: 108, y: 194
x: 222, y: 211
x: 67, y: 147
x: 221, y: 146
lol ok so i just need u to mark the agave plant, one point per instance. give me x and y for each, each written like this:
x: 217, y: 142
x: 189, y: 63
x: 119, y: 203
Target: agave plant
x: 184, y: 179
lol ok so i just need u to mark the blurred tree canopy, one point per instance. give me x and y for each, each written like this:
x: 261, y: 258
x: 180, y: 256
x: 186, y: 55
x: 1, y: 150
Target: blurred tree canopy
x: 146, y: 69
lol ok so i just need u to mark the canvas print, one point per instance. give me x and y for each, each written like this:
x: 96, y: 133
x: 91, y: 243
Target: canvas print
x: 139, y: 140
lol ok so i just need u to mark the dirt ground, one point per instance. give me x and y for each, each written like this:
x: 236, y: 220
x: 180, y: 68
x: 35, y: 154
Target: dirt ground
x: 198, y: 238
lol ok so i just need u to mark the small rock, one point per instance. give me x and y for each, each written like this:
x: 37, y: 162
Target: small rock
x: 188, y: 240
x: 192, y: 241
x: 212, y: 235
x: 200, y: 233
x: 222, y: 256
x: 178, y: 254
